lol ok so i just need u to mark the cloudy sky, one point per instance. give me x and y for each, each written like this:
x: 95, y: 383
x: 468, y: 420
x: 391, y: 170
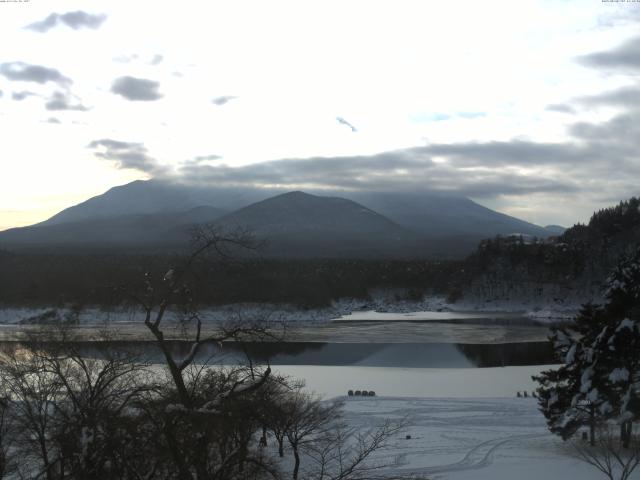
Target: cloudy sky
x: 528, y: 107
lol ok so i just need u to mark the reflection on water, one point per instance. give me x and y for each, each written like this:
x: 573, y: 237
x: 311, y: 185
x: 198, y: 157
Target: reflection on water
x: 432, y: 355
x: 403, y: 355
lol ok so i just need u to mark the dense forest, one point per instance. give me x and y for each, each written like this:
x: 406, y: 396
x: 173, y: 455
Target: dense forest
x: 575, y: 264
x: 100, y: 279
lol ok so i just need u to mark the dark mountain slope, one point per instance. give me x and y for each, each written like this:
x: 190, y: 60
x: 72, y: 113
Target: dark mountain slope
x: 155, y: 196
x: 297, y: 224
x: 139, y: 230
x: 442, y: 225
x: 440, y: 215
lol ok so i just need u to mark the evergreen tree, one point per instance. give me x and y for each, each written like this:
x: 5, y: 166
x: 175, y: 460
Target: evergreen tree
x: 566, y: 396
x: 621, y: 343
x: 600, y: 376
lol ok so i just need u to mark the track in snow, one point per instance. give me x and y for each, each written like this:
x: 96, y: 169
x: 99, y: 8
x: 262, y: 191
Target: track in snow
x: 478, y: 457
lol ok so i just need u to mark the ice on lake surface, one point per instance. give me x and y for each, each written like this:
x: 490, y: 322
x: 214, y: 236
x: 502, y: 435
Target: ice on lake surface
x: 365, y: 327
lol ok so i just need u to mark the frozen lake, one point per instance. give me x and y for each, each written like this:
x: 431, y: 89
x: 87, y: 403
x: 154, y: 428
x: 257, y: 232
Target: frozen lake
x: 418, y: 354
x: 303, y: 326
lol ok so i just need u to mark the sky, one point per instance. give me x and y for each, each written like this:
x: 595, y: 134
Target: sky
x: 529, y: 107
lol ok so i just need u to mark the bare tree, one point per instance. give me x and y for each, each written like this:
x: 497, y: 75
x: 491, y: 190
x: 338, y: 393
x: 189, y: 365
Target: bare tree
x: 69, y: 403
x: 273, y: 407
x: 7, y: 465
x: 615, y: 460
x: 347, y: 454
x: 204, y: 416
x: 306, y: 418
x: 32, y: 395
x: 176, y: 293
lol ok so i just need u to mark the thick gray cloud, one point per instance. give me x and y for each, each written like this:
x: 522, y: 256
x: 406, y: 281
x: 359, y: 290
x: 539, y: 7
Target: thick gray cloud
x: 136, y: 89
x: 600, y: 157
x: 625, y: 56
x: 127, y: 155
x: 75, y: 20
x: 19, y: 96
x: 410, y: 169
x: 619, y: 135
x: 223, y: 100
x: 511, y: 153
x: 331, y: 171
x: 599, y: 162
x: 626, y: 97
x: 63, y: 101
x: 23, y: 72
x: 113, y: 144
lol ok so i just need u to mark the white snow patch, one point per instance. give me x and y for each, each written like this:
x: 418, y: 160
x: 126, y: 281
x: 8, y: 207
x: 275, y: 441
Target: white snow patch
x: 469, y: 439
x: 619, y: 375
x: 571, y: 354
x: 626, y: 323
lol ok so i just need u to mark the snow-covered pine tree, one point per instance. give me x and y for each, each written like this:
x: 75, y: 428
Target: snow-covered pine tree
x: 622, y: 378
x: 568, y: 396
x: 600, y: 378
x: 623, y: 287
x: 620, y: 343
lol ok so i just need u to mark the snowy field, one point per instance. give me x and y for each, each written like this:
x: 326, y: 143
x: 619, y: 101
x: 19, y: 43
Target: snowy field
x: 331, y: 381
x: 373, y: 316
x: 465, y: 423
x: 470, y: 439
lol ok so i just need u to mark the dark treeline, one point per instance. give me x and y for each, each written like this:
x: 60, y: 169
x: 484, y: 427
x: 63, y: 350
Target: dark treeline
x: 28, y: 278
x: 577, y: 261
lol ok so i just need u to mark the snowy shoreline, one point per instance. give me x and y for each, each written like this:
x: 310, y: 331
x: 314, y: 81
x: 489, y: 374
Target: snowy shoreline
x: 342, y: 309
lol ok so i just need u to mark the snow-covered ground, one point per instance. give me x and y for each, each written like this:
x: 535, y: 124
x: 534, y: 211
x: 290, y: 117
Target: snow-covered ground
x: 465, y: 424
x: 470, y: 439
x: 434, y: 316
x: 333, y: 381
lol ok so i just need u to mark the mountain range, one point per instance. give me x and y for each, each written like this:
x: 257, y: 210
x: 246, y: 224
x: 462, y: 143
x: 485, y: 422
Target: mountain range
x: 158, y: 215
